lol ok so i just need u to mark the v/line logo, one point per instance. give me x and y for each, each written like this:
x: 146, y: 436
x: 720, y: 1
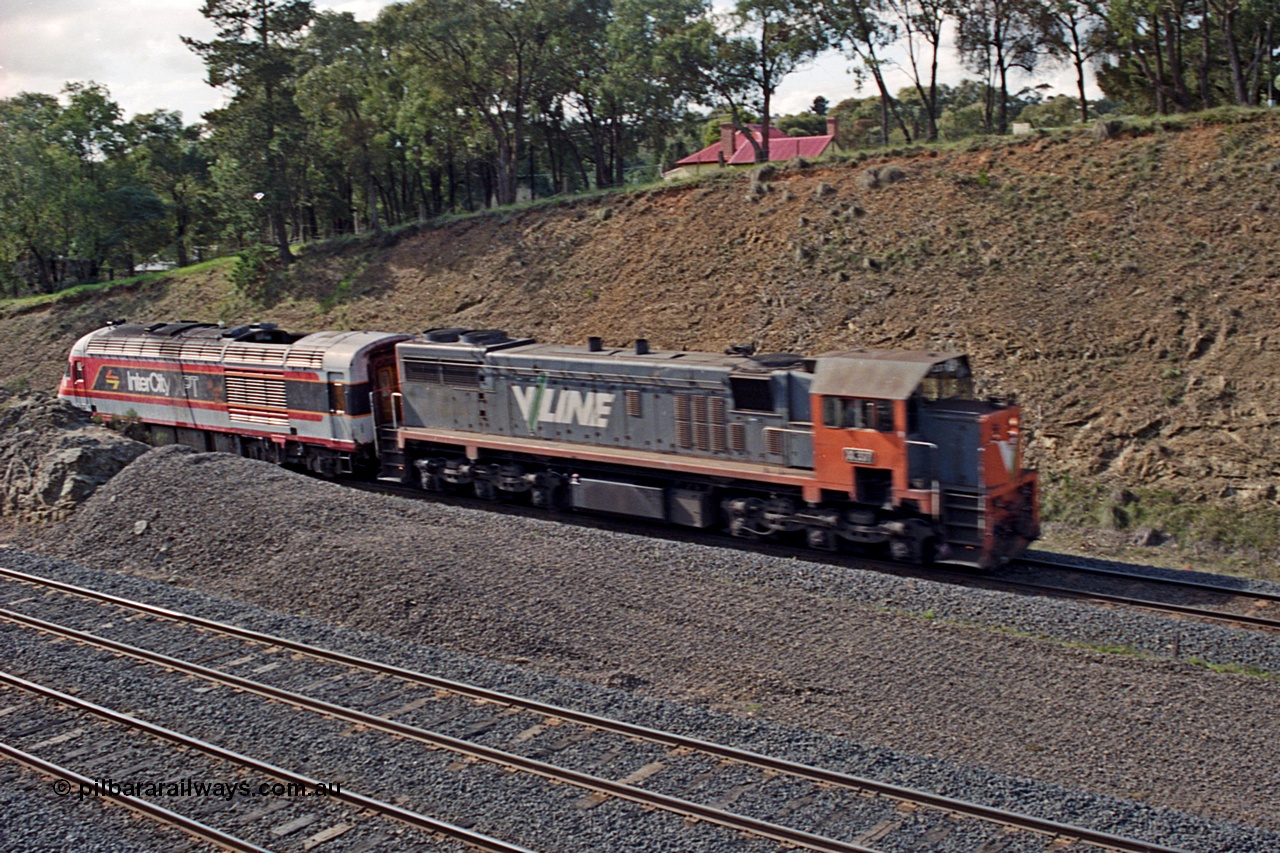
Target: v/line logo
x: 538, y: 404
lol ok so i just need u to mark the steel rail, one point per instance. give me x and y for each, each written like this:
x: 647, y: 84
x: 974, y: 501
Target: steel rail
x: 1144, y: 603
x: 148, y: 809
x: 411, y: 818
x: 686, y: 808
x: 1202, y: 586
x: 814, y: 774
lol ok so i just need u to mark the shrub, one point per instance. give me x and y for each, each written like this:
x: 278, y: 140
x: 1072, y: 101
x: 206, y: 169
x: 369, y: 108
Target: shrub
x: 253, y: 270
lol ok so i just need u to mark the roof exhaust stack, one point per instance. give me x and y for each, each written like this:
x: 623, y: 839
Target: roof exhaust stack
x: 595, y: 344
x: 642, y: 346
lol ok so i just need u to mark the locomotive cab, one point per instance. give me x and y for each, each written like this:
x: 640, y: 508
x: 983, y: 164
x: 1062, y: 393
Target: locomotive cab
x: 930, y: 469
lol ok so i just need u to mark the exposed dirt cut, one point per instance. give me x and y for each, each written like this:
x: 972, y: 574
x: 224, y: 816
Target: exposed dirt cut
x: 1124, y: 289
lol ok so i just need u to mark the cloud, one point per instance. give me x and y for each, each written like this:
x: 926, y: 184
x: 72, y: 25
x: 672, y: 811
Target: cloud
x: 133, y: 47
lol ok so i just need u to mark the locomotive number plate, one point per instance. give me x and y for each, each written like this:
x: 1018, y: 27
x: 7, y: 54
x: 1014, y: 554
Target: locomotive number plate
x: 859, y: 456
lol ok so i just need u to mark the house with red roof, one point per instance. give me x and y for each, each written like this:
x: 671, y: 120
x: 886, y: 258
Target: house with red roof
x: 734, y: 149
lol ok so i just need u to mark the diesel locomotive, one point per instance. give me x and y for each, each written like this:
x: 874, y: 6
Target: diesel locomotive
x: 888, y: 450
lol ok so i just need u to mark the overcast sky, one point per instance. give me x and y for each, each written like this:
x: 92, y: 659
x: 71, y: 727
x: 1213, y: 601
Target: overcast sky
x: 133, y: 47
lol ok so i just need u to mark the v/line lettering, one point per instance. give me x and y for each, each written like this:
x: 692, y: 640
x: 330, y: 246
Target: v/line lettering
x: 539, y: 404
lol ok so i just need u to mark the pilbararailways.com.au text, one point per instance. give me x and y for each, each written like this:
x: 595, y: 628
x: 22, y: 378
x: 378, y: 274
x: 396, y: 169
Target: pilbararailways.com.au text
x: 194, y: 788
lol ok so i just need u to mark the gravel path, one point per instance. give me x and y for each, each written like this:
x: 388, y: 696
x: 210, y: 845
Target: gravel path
x: 912, y: 672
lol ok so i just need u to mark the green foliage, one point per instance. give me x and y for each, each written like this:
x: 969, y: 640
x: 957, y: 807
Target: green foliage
x: 252, y: 274
x: 337, y: 127
x: 1236, y: 669
x: 256, y: 54
x: 803, y: 124
x: 711, y: 127
x: 78, y: 192
x: 1090, y: 504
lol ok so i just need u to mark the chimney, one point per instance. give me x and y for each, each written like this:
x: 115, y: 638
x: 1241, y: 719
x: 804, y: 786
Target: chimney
x: 833, y: 124
x: 642, y: 346
x: 595, y: 344
x: 727, y: 133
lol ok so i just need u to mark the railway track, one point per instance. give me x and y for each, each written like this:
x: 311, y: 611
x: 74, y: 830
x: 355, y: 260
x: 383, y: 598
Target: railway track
x: 1215, y: 598
x: 775, y: 801
x: 138, y: 729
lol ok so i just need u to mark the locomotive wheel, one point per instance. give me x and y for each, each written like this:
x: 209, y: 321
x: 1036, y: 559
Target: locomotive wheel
x: 485, y: 490
x: 909, y: 550
x: 820, y: 539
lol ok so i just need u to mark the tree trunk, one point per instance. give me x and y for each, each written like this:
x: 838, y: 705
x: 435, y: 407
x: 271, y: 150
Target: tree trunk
x: 1233, y: 58
x: 1173, y: 46
x: 1206, y: 92
x: 887, y: 106
x: 180, y: 238
x: 1003, y: 127
x: 1162, y: 104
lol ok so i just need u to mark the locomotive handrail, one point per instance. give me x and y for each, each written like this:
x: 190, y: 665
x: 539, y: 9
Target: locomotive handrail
x: 935, y: 490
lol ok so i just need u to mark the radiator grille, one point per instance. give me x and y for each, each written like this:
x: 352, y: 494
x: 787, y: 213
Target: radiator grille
x: 633, y: 404
x: 258, y: 391
x: 114, y: 346
x: 170, y: 348
x: 304, y: 357
x: 738, y: 438
x: 269, y: 354
x: 257, y: 416
x: 202, y: 350
x: 684, y: 433
x: 442, y: 373
x: 774, y: 440
x: 460, y: 375
x: 700, y: 422
x: 684, y: 428
x: 421, y: 371
x: 718, y: 438
x: 702, y: 436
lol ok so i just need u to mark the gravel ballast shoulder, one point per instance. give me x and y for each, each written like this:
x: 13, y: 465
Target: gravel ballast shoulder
x: 923, y: 679
x: 1162, y: 826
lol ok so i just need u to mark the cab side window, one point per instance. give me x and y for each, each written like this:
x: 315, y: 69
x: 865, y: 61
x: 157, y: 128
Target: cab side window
x: 857, y: 414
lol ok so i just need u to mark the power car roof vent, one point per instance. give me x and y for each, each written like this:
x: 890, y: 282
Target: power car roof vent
x: 778, y: 360
x: 485, y: 337
x: 444, y: 336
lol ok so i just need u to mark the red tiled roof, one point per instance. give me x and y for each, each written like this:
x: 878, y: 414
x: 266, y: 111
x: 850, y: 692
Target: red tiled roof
x: 784, y: 148
x: 781, y: 147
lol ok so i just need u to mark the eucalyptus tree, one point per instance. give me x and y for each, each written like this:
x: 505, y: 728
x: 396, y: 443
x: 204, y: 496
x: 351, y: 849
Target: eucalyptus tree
x: 342, y: 94
x: 1074, y: 36
x: 255, y: 55
x: 755, y: 47
x: 862, y: 30
x: 616, y: 74
x: 993, y: 38
x: 487, y: 56
x: 1144, y: 42
x: 36, y: 176
x: 921, y: 23
x: 170, y: 159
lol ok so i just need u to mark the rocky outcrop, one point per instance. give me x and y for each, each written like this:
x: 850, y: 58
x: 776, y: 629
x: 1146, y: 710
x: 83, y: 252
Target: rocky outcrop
x: 52, y: 457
